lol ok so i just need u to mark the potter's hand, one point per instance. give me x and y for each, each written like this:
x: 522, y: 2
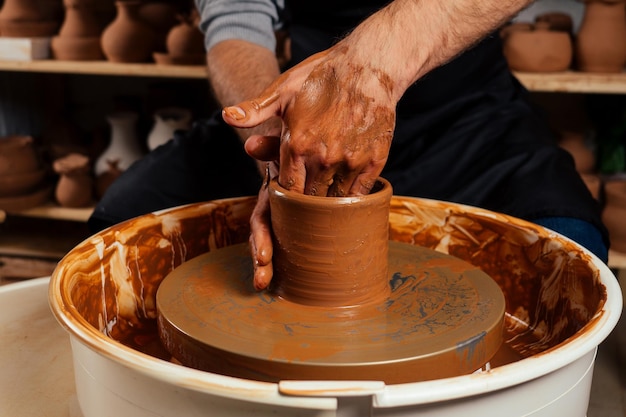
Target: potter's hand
x: 338, y: 119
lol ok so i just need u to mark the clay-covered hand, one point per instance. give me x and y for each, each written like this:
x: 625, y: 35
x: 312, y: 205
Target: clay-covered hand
x: 338, y: 121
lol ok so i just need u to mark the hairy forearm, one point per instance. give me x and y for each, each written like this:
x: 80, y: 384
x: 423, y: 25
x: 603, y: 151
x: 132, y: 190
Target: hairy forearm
x: 413, y: 37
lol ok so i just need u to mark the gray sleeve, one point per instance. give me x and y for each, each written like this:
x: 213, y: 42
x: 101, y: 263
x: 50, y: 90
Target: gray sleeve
x: 249, y: 20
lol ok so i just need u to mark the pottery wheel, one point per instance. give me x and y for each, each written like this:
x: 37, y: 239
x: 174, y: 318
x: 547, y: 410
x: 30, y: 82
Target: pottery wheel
x: 444, y: 318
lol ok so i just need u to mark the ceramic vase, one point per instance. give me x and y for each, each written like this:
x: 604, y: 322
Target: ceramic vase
x: 346, y: 263
x: 166, y: 122
x: 601, y: 40
x: 124, y: 146
x: 75, y: 185
x: 79, y: 37
x: 538, y: 49
x: 614, y: 213
x: 128, y: 38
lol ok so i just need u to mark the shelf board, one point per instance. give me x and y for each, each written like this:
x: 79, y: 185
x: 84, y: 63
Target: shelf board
x: 105, y: 68
x: 56, y: 212
x: 574, y: 82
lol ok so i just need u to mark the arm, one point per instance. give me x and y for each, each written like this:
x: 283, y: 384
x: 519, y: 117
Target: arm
x: 338, y: 107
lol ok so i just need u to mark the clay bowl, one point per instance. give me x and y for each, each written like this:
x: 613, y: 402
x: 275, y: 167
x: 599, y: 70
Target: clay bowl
x: 561, y: 303
x: 18, y: 184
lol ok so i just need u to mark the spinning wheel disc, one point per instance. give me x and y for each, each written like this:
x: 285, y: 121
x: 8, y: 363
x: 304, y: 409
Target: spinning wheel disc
x: 444, y: 318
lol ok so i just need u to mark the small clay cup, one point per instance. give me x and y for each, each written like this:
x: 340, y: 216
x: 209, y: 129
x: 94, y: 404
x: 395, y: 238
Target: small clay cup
x: 331, y: 251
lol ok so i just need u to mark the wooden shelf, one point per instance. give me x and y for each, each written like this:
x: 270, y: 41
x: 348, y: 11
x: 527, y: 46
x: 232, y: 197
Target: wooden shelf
x: 56, y: 212
x: 106, y: 68
x: 574, y: 82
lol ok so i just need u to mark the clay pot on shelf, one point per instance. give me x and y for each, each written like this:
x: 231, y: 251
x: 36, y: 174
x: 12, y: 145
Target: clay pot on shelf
x: 128, y: 38
x: 161, y: 16
x: 601, y: 40
x: 538, y: 49
x: 75, y: 185
x: 29, y: 18
x: 124, y: 146
x: 18, y: 155
x: 166, y: 122
x: 106, y: 178
x: 184, y: 43
x: 614, y: 213
x: 79, y: 37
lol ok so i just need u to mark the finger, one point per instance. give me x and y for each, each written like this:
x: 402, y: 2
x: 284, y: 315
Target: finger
x: 253, y: 112
x: 292, y: 174
x: 363, y: 184
x: 342, y: 183
x: 263, y: 148
x: 318, y: 181
x: 261, y: 241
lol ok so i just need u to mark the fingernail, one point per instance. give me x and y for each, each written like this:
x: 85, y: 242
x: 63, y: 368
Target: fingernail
x: 235, y: 112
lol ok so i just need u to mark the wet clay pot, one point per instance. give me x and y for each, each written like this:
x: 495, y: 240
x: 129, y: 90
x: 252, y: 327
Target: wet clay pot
x: 601, y: 40
x: 346, y: 263
x: 538, y: 49
x: 614, y: 213
x: 75, y: 185
x: 128, y: 38
x: 79, y: 37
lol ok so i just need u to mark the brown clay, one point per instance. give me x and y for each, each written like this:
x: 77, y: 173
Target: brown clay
x: 12, y: 185
x: 29, y: 18
x: 185, y: 39
x: 614, y: 213
x: 330, y: 251
x: 601, y: 40
x: 553, y: 293
x: 18, y: 155
x: 75, y: 185
x: 128, y: 38
x: 594, y: 184
x: 557, y: 21
x: 161, y: 16
x: 79, y: 37
x: 538, y: 50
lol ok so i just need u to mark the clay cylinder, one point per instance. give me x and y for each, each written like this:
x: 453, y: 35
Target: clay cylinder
x: 330, y: 251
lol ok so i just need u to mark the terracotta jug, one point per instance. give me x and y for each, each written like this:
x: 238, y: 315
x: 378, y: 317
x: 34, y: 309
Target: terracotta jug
x: 345, y: 264
x: 128, y: 38
x: 601, y: 40
x: 75, y: 185
x: 79, y: 37
x: 124, y: 147
x: 166, y: 122
x: 538, y: 49
x: 614, y: 213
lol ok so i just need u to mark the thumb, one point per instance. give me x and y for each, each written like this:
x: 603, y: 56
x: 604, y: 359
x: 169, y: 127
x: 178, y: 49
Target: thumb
x: 251, y: 113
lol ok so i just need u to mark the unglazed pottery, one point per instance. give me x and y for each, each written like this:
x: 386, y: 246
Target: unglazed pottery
x: 18, y: 155
x: 167, y: 121
x: 22, y: 183
x: 561, y: 303
x: 161, y: 16
x: 558, y: 21
x: 614, y: 213
x: 185, y: 39
x: 29, y: 18
x: 79, y: 37
x: 601, y: 40
x: 75, y: 185
x: 538, y: 49
x: 128, y: 38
